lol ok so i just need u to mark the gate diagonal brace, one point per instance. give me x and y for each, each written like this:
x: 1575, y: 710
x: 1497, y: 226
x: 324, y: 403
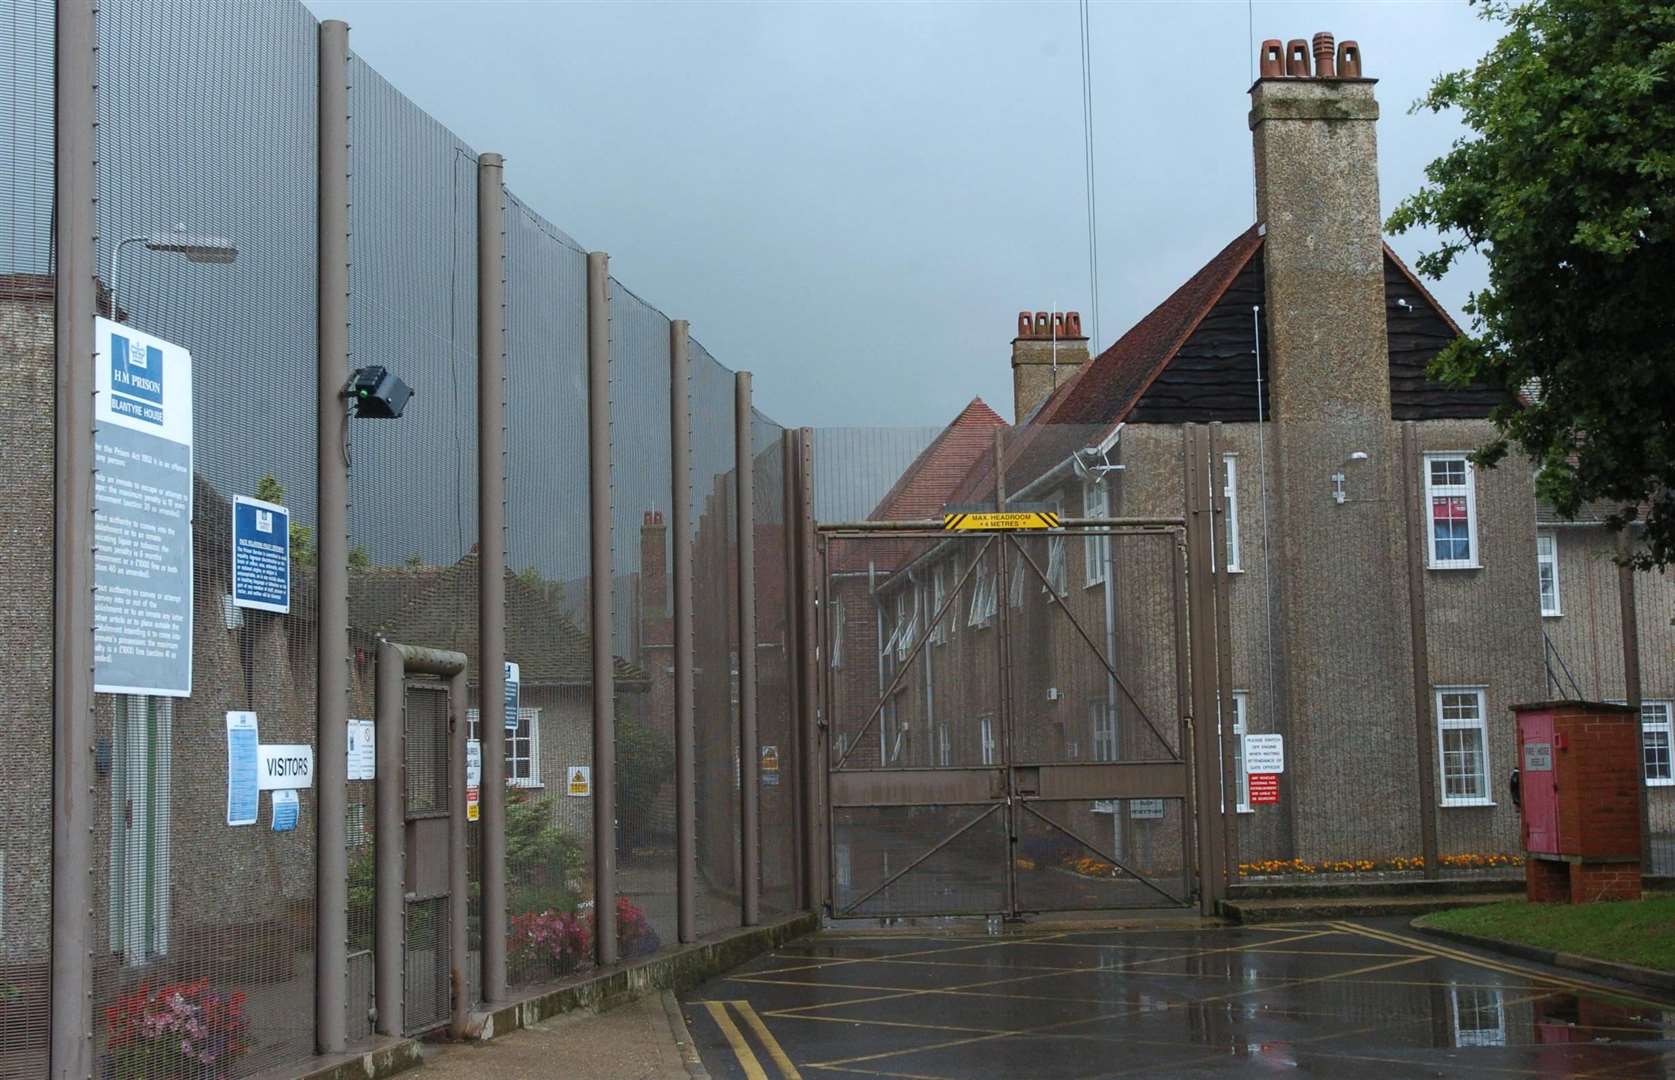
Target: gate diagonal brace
x: 932, y: 850
x: 1097, y: 850
x: 918, y: 647
x: 1062, y: 606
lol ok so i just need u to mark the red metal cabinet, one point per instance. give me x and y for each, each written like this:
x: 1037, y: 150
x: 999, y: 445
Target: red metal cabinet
x: 1538, y: 783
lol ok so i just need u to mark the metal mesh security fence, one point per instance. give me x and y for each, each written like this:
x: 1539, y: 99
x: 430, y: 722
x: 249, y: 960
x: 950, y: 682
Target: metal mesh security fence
x: 715, y: 652
x: 207, y: 254
x: 26, y: 326
x: 645, y: 737
x: 549, y: 838
x: 775, y: 716
x: 207, y: 203
x: 413, y: 574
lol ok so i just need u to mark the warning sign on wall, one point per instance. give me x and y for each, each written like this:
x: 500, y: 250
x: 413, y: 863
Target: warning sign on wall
x: 1264, y: 788
x: 770, y: 765
x: 578, y: 780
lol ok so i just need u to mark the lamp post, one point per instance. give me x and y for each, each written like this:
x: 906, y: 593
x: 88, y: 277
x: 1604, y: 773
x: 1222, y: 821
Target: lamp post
x: 196, y: 248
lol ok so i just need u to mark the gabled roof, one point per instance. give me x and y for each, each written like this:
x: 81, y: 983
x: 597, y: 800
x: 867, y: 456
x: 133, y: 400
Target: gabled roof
x: 926, y: 486
x: 436, y: 606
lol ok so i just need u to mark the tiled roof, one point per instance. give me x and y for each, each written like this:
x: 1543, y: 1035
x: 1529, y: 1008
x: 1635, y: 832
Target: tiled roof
x: 437, y: 607
x: 924, y: 488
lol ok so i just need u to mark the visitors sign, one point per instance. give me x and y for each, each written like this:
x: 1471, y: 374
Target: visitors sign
x: 142, y: 495
x: 287, y: 766
x: 261, y: 555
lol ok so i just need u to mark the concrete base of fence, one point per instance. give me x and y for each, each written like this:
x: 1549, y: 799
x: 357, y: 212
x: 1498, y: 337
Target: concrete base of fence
x: 386, y: 1059
x: 671, y: 969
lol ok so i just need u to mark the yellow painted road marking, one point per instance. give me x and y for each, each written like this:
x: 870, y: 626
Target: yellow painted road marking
x: 1503, y: 967
x: 735, y: 1038
x: 775, y: 1051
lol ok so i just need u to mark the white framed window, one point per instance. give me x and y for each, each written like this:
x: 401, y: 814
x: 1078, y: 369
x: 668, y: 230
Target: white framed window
x: 837, y: 633
x: 907, y: 621
x: 1241, y: 725
x: 944, y: 744
x: 1656, y: 742
x: 1096, y: 550
x: 1547, y: 565
x: 1102, y: 719
x: 1015, y: 587
x: 939, y: 594
x: 1463, y: 741
x: 1230, y: 490
x: 982, y: 597
x: 1058, y: 578
x: 523, y: 746
x: 986, y: 737
x: 1479, y: 1015
x: 1451, y: 512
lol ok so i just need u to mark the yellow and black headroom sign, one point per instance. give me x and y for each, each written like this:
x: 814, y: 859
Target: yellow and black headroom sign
x: 998, y: 520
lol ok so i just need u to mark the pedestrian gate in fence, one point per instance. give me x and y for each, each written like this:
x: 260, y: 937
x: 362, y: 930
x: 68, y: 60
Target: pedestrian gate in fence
x: 1006, y: 718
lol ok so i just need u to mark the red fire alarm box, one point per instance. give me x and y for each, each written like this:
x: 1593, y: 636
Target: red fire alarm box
x: 1579, y: 795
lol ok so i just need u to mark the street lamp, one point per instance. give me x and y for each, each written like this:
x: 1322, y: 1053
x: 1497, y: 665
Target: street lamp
x: 196, y: 248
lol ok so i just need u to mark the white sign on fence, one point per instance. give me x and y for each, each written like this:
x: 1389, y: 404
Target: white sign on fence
x: 1264, y: 753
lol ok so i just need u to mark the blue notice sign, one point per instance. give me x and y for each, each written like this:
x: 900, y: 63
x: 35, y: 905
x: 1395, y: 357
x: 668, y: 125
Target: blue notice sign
x: 261, y: 555
x: 511, y: 697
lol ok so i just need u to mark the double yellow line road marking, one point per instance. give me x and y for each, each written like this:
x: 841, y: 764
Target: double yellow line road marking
x: 742, y: 1050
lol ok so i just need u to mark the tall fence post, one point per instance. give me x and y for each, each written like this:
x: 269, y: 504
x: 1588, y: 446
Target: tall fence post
x: 794, y: 646
x: 750, y: 844
x: 1204, y: 753
x: 331, y: 915
x: 389, y: 831
x: 1628, y: 613
x: 680, y: 526
x: 491, y: 551
x: 1424, y: 733
x: 75, y: 302
x: 1224, y: 661
x: 810, y: 665
x: 604, y: 681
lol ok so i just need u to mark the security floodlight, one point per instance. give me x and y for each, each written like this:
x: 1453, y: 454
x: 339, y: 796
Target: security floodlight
x: 197, y: 248
x: 375, y: 394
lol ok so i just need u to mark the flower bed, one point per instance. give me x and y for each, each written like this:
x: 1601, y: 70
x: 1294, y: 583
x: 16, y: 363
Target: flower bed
x: 184, y: 1031
x: 1467, y: 861
x: 553, y: 943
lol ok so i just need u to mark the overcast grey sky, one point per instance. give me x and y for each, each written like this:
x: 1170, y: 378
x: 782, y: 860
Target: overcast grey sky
x: 855, y: 200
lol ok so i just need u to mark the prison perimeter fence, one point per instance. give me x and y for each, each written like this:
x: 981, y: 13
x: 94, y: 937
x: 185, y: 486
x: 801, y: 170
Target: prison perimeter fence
x: 251, y: 849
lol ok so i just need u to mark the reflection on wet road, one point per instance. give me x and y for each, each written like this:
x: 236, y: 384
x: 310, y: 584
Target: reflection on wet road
x: 1365, y: 998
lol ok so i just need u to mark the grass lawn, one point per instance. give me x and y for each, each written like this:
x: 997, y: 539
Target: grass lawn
x: 1640, y: 932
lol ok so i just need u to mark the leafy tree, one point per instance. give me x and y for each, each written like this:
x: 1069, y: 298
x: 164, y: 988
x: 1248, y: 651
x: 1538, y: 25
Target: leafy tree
x: 359, y: 558
x: 645, y: 761
x: 269, y: 489
x: 1567, y: 187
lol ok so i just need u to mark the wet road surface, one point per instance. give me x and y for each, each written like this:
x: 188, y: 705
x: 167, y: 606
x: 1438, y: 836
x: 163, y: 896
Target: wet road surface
x: 1363, y: 998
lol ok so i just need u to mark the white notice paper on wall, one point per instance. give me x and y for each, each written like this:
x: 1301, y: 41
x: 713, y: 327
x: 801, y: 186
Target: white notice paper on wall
x: 243, y: 792
x: 363, y: 756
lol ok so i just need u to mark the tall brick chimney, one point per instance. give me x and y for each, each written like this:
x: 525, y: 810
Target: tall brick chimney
x: 1317, y: 194
x: 656, y: 627
x: 1048, y: 350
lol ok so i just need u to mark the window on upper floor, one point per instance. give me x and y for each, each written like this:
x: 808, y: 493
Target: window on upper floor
x: 939, y: 594
x: 1451, y: 512
x: 837, y: 633
x: 982, y: 597
x: 1057, y: 575
x: 1230, y: 489
x: 1547, y: 564
x: 1102, y: 719
x: 1096, y: 550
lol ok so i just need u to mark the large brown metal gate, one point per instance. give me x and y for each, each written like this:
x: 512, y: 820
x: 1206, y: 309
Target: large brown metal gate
x: 1007, y: 719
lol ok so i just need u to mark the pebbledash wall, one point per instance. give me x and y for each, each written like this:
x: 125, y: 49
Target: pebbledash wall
x: 208, y: 124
